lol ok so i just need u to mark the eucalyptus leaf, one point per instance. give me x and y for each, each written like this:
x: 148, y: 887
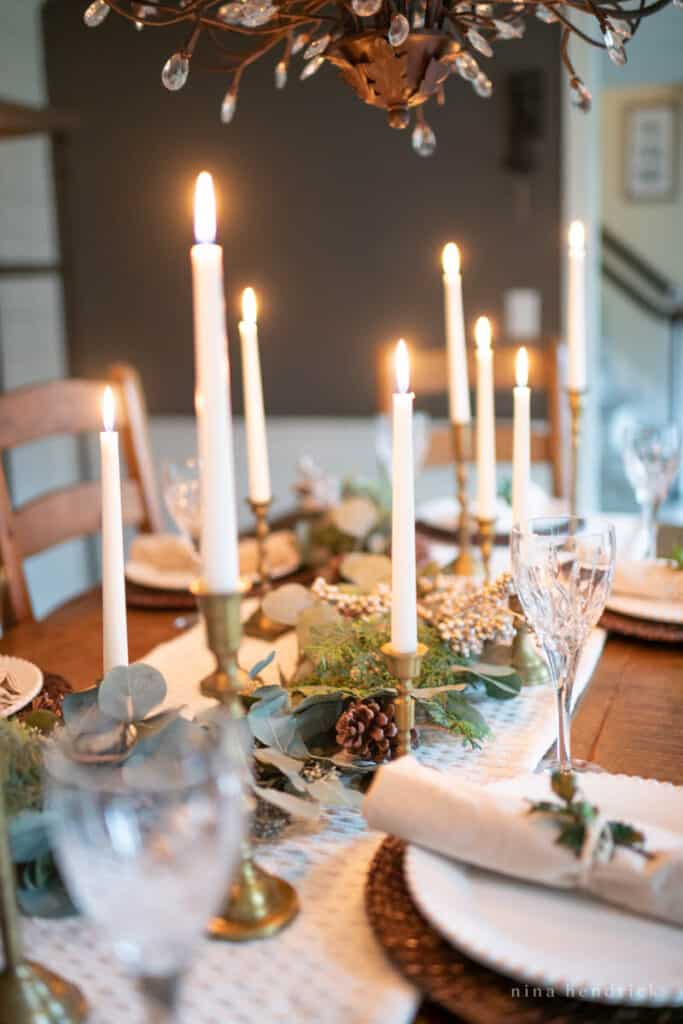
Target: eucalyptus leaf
x: 355, y: 516
x: 284, y: 604
x: 268, y: 700
x: 278, y: 731
x: 74, y: 705
x: 294, y: 805
x: 128, y: 693
x: 289, y: 766
x: 317, y: 616
x: 53, y: 901
x: 317, y: 717
x: 29, y: 836
x: 256, y: 670
x: 331, y: 792
x: 366, y: 570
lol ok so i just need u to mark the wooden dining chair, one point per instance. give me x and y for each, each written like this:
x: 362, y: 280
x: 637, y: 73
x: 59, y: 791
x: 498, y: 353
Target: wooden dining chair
x: 70, y: 407
x: 429, y: 377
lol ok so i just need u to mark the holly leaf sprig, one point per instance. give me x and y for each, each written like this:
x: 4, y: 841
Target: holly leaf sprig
x: 574, y: 815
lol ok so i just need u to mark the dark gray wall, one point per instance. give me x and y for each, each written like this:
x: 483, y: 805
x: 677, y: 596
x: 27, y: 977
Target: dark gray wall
x: 323, y: 208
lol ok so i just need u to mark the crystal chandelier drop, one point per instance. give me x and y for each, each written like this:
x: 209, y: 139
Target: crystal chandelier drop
x: 395, y: 54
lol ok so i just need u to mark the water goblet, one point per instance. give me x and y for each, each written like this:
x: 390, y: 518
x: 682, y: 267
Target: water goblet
x: 147, y: 850
x: 563, y: 569
x: 181, y: 494
x: 651, y: 456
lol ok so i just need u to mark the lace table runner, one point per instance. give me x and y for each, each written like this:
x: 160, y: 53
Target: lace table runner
x: 326, y: 968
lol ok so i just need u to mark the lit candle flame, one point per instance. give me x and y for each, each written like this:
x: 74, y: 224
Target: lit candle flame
x: 450, y: 259
x: 249, y: 306
x: 204, y: 209
x: 577, y: 236
x: 482, y: 333
x: 522, y: 368
x: 402, y: 367
x: 108, y: 405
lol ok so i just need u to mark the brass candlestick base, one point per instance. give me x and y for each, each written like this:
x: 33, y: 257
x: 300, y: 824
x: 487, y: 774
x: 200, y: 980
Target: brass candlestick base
x: 530, y: 665
x: 576, y: 408
x: 487, y: 533
x: 464, y: 564
x: 259, y: 625
x: 30, y: 994
x: 405, y: 668
x: 258, y: 904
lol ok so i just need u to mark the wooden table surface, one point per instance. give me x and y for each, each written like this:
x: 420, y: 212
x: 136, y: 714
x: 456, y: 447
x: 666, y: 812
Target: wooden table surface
x: 630, y: 720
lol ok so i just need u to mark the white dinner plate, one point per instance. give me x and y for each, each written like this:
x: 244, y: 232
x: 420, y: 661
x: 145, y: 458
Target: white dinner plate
x: 22, y: 677
x: 285, y: 560
x: 564, y: 942
x: 646, y: 608
x: 443, y: 513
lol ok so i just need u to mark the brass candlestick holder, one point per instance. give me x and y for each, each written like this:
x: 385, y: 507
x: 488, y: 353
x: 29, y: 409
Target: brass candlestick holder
x: 487, y: 533
x: 576, y: 407
x: 259, y: 625
x: 464, y: 564
x: 29, y: 993
x: 530, y: 665
x: 405, y: 668
x: 258, y: 904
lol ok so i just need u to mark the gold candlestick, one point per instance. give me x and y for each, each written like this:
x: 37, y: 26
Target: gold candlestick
x: 530, y: 665
x: 29, y: 993
x: 576, y: 407
x: 464, y: 564
x: 259, y: 625
x: 258, y: 904
x: 405, y: 668
x: 487, y: 533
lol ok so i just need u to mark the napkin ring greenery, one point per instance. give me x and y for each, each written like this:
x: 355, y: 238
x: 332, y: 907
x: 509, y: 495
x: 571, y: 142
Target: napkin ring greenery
x: 575, y: 816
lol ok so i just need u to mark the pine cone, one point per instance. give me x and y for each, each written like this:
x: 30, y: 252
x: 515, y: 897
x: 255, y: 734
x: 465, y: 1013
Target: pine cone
x: 368, y: 730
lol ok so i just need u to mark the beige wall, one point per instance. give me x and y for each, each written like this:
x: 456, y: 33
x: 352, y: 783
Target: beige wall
x: 654, y: 229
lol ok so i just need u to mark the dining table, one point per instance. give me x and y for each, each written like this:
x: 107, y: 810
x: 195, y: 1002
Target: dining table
x: 629, y: 719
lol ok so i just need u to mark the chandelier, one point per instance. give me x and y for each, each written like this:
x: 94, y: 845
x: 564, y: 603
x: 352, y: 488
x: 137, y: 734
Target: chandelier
x: 395, y: 54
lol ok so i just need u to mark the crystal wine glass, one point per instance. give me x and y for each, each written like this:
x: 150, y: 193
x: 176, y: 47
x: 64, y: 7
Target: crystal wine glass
x: 181, y: 494
x: 651, y: 455
x: 147, y: 851
x: 383, y: 442
x: 563, y: 568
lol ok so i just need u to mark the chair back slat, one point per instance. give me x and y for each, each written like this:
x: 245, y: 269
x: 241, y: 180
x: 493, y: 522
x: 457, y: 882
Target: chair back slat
x: 429, y: 377
x: 67, y: 407
x: 68, y: 513
x: 57, y: 407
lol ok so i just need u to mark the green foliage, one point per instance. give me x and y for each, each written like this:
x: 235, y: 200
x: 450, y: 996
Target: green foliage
x: 677, y: 556
x: 574, y: 815
x: 505, y: 491
x: 21, y: 749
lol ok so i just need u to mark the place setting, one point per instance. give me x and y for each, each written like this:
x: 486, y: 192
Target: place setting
x: 366, y: 713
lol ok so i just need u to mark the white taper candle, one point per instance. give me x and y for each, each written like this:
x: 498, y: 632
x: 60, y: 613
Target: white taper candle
x: 252, y: 390
x: 576, y: 307
x: 218, y: 535
x: 486, y: 424
x: 403, y: 573
x: 114, y: 624
x: 456, y: 345
x: 521, y: 445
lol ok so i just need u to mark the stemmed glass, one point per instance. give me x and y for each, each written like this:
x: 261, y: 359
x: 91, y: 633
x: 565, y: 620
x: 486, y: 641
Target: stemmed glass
x: 563, y: 570
x: 651, y: 455
x: 147, y: 851
x: 181, y: 494
x: 383, y: 443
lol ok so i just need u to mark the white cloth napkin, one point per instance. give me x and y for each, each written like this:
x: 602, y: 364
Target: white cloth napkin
x: 654, y: 579
x: 494, y: 830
